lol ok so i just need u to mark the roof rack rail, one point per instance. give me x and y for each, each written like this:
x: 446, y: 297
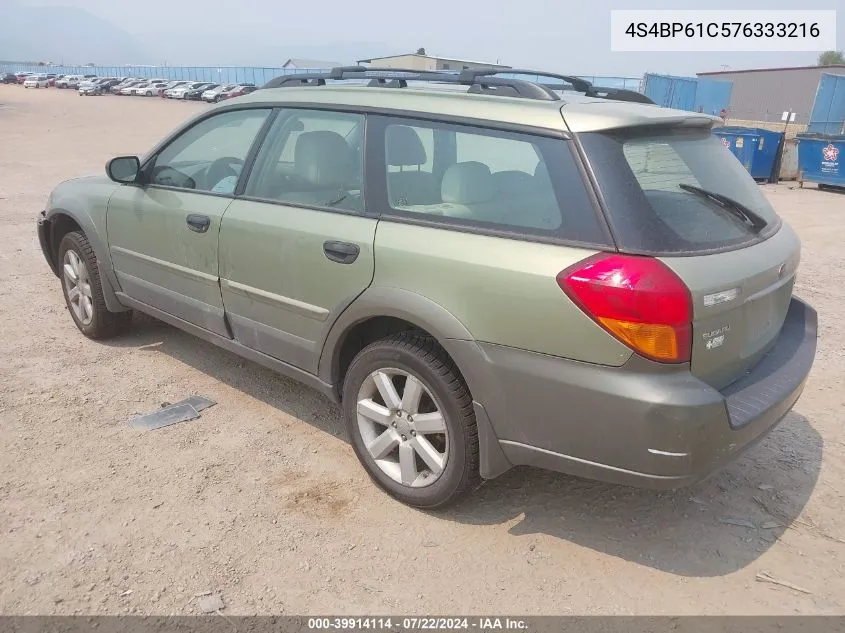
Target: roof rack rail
x: 399, y: 78
x: 618, y: 94
x: 577, y: 83
x: 581, y: 85
x: 478, y: 81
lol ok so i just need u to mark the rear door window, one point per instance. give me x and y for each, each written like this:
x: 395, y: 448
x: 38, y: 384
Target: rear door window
x: 648, y: 177
x: 487, y: 179
x: 311, y: 158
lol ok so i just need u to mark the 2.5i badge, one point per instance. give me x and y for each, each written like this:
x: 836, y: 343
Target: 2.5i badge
x: 716, y: 341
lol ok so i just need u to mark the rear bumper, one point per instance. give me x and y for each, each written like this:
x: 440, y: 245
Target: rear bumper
x: 642, y: 424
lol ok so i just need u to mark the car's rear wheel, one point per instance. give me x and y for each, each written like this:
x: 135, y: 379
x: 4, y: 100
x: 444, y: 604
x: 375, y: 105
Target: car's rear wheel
x: 410, y: 418
x: 83, y: 291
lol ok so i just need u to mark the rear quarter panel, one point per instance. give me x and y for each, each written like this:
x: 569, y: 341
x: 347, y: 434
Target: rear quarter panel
x: 502, y: 290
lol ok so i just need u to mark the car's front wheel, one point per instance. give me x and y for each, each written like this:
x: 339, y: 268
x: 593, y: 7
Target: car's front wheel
x: 411, y: 422
x: 83, y: 291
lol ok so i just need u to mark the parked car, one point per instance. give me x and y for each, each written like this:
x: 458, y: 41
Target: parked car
x: 212, y: 95
x: 170, y: 85
x: 54, y: 79
x: 131, y: 88
x: 150, y: 90
x: 119, y: 88
x: 194, y: 94
x: 91, y: 81
x: 9, y: 78
x: 237, y: 91
x: 600, y: 290
x: 36, y: 81
x: 179, y: 91
x: 97, y: 88
x: 69, y: 81
x: 22, y: 76
x: 85, y: 83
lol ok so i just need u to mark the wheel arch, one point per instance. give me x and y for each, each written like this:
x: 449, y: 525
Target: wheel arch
x: 386, y: 308
x: 381, y: 311
x: 62, y: 221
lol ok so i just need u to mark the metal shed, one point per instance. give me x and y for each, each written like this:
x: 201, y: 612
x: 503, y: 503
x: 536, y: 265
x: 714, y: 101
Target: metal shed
x: 763, y: 94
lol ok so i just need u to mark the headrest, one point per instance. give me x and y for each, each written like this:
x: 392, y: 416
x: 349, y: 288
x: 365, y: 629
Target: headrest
x: 323, y: 158
x: 467, y: 183
x: 513, y: 182
x: 404, y: 146
x: 541, y: 171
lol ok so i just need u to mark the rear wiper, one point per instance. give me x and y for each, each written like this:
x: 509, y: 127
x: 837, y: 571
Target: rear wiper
x: 736, y: 209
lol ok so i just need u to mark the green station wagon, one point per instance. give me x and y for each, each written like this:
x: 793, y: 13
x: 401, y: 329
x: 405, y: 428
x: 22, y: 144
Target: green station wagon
x: 484, y: 271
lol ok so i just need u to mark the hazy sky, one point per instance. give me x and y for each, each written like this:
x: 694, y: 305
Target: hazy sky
x: 566, y: 36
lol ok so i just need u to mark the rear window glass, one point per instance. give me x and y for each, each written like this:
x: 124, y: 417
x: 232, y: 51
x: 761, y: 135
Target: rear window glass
x: 646, y: 178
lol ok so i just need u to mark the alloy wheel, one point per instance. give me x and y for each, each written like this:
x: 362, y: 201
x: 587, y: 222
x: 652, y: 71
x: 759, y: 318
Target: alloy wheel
x: 78, y: 287
x: 403, y: 427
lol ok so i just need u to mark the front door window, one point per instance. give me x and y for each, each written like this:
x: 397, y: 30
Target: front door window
x: 209, y: 156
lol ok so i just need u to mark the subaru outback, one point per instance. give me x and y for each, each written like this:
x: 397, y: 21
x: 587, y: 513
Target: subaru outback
x: 483, y: 271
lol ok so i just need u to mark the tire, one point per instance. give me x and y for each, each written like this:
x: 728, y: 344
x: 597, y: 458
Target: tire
x: 149, y: 94
x: 102, y: 323
x: 401, y: 358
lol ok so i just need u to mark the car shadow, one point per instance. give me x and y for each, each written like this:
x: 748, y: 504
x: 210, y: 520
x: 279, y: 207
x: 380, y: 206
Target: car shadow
x: 713, y: 528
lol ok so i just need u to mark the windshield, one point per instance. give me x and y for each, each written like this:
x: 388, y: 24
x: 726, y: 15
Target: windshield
x: 649, y: 179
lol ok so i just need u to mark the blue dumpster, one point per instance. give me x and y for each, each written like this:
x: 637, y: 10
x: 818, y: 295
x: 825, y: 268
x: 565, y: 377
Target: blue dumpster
x: 820, y: 158
x: 756, y: 149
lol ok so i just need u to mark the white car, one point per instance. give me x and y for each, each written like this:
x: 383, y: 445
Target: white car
x: 213, y: 95
x: 69, y: 81
x: 130, y: 89
x: 155, y: 90
x: 179, y: 91
x: 150, y: 90
x: 172, y: 85
x: 36, y: 81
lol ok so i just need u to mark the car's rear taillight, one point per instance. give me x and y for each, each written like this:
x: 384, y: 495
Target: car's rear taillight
x: 639, y: 300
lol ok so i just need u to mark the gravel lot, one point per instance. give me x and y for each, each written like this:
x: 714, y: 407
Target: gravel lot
x: 263, y: 501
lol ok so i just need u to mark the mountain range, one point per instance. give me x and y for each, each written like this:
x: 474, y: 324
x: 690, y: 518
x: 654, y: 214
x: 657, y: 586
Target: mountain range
x: 74, y: 36
x: 64, y: 35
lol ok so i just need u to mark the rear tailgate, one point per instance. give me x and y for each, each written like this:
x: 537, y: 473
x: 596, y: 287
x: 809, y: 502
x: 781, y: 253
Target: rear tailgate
x: 740, y: 300
x: 673, y: 191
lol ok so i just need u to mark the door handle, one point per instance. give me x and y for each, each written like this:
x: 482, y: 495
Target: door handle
x: 341, y: 252
x: 198, y: 223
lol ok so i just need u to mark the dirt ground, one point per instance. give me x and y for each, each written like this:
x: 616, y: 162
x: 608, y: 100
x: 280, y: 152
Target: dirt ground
x: 263, y: 500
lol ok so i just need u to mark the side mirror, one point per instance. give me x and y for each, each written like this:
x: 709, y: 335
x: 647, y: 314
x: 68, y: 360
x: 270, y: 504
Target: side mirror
x: 124, y: 169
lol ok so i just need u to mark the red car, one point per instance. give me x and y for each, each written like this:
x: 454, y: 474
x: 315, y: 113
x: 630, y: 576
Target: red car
x: 237, y: 91
x: 22, y: 76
